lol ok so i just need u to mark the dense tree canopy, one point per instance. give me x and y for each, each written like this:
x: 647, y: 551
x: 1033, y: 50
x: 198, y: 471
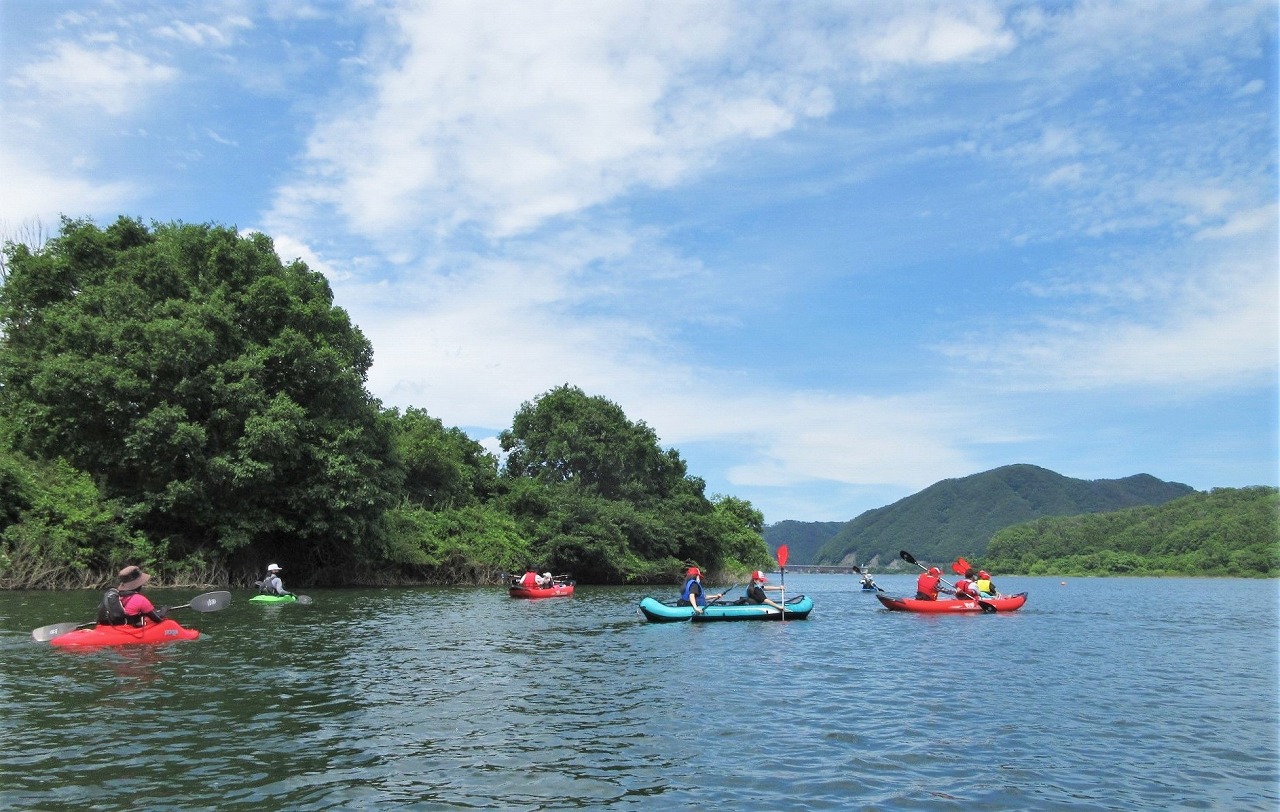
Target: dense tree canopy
x: 215, y: 391
x: 176, y: 396
x: 1227, y: 531
x: 613, y: 500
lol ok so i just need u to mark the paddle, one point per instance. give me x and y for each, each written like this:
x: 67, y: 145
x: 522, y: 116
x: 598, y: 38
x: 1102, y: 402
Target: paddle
x: 983, y: 605
x: 867, y: 578
x: 208, y: 602
x: 783, y: 552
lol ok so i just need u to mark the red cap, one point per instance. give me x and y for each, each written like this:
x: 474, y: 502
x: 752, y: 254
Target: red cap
x: 693, y: 571
x: 759, y: 576
x: 983, y: 574
x: 935, y: 571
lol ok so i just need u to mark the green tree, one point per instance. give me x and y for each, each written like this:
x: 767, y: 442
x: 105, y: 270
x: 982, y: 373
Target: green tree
x: 599, y: 497
x: 566, y: 436
x: 442, y: 467
x: 213, y: 389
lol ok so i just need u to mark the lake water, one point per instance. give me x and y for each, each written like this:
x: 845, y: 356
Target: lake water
x: 1099, y: 694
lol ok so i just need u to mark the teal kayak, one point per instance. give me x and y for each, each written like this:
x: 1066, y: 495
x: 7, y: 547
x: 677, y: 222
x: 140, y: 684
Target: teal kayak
x: 655, y: 611
x: 274, y: 599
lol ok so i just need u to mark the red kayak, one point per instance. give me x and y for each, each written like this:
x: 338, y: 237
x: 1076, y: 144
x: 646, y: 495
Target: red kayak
x: 167, y: 631
x: 1004, y: 603
x: 553, y: 591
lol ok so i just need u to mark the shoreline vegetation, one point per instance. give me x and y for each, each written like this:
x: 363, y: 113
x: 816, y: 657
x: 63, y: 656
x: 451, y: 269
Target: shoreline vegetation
x: 176, y: 397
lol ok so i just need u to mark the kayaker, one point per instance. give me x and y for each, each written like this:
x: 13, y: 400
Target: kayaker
x: 693, y: 594
x: 756, y: 590
x: 135, y: 608
x: 867, y: 582
x: 964, y: 589
x: 529, y: 580
x: 272, y: 585
x: 927, y: 584
x: 985, y: 585
x: 545, y: 580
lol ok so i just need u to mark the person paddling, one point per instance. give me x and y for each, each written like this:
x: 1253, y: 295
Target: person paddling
x: 272, y: 585
x: 927, y: 584
x: 985, y: 586
x: 693, y: 593
x: 965, y: 590
x: 756, y: 591
x: 125, y: 605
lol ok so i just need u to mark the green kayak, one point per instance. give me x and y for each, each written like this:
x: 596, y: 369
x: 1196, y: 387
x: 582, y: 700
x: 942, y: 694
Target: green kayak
x: 274, y: 599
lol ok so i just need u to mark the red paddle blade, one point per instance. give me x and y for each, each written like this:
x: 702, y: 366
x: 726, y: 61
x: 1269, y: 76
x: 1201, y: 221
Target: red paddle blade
x: 782, y: 556
x: 960, y: 567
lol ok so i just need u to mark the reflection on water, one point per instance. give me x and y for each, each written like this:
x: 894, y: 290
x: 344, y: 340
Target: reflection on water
x: 1100, y: 694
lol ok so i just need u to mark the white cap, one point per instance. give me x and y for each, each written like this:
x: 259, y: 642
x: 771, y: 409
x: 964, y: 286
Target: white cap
x: 273, y: 568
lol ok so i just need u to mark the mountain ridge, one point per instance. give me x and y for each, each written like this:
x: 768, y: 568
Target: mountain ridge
x: 959, y: 516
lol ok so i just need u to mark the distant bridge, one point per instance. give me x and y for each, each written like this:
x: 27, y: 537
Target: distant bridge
x: 842, y: 569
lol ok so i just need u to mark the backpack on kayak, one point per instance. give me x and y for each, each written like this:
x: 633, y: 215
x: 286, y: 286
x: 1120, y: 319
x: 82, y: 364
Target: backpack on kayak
x: 111, y: 609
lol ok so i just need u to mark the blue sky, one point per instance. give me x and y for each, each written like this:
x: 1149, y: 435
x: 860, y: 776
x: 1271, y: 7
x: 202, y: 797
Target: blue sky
x: 832, y: 252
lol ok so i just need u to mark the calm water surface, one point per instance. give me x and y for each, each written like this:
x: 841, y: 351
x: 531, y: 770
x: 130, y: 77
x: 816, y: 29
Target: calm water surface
x: 1099, y: 694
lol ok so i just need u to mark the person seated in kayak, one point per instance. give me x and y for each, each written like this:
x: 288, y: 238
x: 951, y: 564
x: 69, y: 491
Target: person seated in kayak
x: 927, y: 585
x: 867, y: 583
x: 693, y: 593
x: 985, y: 586
x: 545, y: 581
x: 529, y: 580
x: 272, y: 585
x: 125, y: 605
x: 965, y: 590
x: 756, y: 591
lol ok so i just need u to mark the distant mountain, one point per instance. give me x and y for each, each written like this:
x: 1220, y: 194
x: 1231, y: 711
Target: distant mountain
x: 803, y: 539
x: 959, y: 516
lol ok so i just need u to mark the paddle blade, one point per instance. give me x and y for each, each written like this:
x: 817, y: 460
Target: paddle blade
x: 907, y: 557
x: 960, y: 566
x: 46, y: 633
x: 208, y: 602
x: 305, y: 600
x: 782, y: 555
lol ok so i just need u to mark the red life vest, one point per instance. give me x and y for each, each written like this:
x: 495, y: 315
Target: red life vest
x: 927, y: 585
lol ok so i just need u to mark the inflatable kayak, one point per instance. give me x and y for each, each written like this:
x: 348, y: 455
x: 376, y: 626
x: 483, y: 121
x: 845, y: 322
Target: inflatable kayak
x: 167, y: 631
x: 655, y: 611
x: 1004, y: 603
x: 553, y: 591
x: 274, y: 599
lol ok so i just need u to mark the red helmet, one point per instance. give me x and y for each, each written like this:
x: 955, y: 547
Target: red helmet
x: 935, y: 571
x: 984, y: 575
x: 693, y: 571
x: 758, y: 576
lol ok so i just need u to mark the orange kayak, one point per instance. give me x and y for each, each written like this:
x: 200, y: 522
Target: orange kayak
x: 167, y: 631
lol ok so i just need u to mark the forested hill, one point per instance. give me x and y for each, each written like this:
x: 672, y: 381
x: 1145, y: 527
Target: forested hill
x: 1227, y: 531
x: 803, y: 539
x: 959, y: 516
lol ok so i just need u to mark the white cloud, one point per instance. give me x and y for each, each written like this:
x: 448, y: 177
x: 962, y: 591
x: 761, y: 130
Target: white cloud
x: 32, y: 190
x: 110, y: 78
x: 509, y: 115
x: 945, y: 33
x: 1191, y: 330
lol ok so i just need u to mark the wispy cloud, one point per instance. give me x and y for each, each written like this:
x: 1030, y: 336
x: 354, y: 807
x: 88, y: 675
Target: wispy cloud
x: 109, y: 77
